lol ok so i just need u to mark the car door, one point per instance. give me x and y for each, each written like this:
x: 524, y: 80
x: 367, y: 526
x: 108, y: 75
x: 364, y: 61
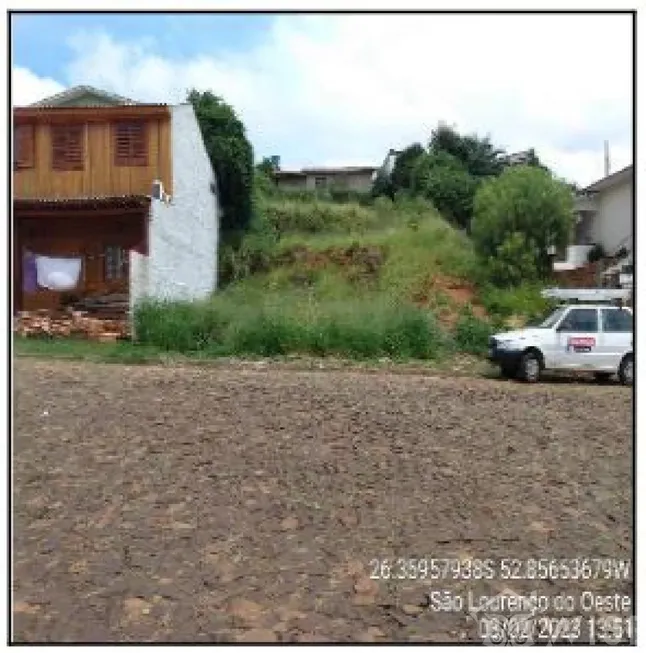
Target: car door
x: 578, y: 339
x: 616, y: 336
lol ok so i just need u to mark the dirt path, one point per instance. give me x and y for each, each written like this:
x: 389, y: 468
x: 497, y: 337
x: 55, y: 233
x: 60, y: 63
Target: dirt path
x: 214, y: 504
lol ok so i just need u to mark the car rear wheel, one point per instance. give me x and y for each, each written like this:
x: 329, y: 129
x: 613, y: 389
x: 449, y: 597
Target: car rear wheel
x: 626, y: 370
x: 530, y: 368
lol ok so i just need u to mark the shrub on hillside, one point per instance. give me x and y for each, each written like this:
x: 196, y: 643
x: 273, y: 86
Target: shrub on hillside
x: 524, y: 204
x: 524, y: 300
x: 472, y: 333
x: 442, y: 179
x: 514, y: 262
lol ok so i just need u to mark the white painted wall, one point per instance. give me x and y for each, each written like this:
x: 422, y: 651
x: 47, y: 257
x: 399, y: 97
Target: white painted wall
x: 183, y: 235
x: 613, y: 222
x: 355, y: 181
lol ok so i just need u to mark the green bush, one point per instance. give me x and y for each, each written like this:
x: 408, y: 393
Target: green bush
x: 472, y: 333
x: 514, y: 262
x: 525, y: 207
x: 524, y: 300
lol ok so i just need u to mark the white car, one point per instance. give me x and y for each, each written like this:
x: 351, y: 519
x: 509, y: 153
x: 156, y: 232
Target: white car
x: 594, y: 338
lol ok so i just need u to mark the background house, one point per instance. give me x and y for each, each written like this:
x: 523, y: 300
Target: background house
x: 354, y: 178
x: 604, y: 216
x: 604, y: 212
x: 122, y: 188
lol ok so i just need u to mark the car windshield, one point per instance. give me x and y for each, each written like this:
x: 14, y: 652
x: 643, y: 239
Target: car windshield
x: 553, y: 318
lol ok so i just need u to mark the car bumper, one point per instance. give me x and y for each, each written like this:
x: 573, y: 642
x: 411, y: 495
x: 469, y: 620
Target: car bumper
x: 505, y: 356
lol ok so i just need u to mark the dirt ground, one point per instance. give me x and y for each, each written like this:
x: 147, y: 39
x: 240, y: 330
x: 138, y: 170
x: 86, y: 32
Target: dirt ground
x: 226, y: 504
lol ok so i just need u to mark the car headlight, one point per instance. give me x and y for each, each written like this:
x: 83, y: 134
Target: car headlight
x: 505, y: 344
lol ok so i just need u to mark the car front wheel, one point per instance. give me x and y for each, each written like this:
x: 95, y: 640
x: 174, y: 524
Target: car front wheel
x: 530, y: 368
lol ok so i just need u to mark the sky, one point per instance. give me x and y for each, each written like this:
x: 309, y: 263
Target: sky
x: 344, y: 89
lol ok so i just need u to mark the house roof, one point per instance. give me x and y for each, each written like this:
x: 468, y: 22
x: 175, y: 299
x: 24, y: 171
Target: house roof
x: 77, y: 92
x: 611, y: 180
x: 325, y: 171
x: 89, y: 113
x: 289, y: 173
x: 339, y: 170
x: 65, y: 203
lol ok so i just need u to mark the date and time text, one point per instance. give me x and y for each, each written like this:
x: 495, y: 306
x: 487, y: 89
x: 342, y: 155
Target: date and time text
x: 582, y: 615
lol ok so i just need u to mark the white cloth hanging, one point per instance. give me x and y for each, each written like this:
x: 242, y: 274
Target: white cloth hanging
x: 59, y: 274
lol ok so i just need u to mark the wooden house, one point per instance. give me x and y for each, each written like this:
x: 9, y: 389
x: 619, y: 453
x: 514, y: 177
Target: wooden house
x: 110, y: 197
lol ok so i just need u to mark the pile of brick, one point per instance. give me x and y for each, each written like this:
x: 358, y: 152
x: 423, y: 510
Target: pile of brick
x: 48, y: 324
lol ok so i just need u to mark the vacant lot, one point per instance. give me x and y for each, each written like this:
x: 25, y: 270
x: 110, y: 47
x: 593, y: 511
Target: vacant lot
x: 218, y: 504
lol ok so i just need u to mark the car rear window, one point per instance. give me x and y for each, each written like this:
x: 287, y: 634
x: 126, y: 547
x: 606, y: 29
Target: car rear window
x: 615, y: 320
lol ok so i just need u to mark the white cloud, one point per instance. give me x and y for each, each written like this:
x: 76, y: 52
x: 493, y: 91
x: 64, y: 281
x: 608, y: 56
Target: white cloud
x: 347, y: 88
x: 27, y: 87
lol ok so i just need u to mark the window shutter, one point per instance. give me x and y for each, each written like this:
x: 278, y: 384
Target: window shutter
x: 67, y: 147
x: 23, y: 147
x: 131, y: 143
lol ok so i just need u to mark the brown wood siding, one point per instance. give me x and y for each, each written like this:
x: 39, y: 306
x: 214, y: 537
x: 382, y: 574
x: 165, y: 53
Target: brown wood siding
x: 99, y: 176
x: 84, y: 236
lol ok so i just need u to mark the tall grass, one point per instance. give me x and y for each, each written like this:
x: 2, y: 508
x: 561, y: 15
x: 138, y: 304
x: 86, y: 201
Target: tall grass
x: 292, y: 215
x: 364, y: 329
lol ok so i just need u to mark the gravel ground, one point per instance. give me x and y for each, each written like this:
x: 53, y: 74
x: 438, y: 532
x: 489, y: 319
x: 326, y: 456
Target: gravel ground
x: 233, y: 504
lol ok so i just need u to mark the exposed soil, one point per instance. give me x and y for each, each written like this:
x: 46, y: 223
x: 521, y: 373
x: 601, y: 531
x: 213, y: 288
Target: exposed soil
x: 226, y: 504
x: 458, y: 292
x: 370, y: 258
x: 360, y: 263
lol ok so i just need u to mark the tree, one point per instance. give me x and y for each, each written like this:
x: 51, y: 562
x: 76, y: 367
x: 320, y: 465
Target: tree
x: 526, y: 209
x: 514, y: 262
x: 477, y: 155
x: 231, y: 156
x: 383, y: 185
x: 402, y: 174
x: 443, y: 179
x: 269, y: 165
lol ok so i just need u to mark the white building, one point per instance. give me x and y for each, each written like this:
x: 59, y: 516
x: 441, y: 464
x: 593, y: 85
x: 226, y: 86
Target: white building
x: 604, y: 215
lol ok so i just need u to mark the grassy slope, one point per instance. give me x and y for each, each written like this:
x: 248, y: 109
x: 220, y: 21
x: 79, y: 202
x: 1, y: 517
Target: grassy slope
x: 326, y: 308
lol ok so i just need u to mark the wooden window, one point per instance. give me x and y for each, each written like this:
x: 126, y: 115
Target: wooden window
x: 68, y: 151
x: 23, y: 147
x: 116, y: 263
x: 131, y: 143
